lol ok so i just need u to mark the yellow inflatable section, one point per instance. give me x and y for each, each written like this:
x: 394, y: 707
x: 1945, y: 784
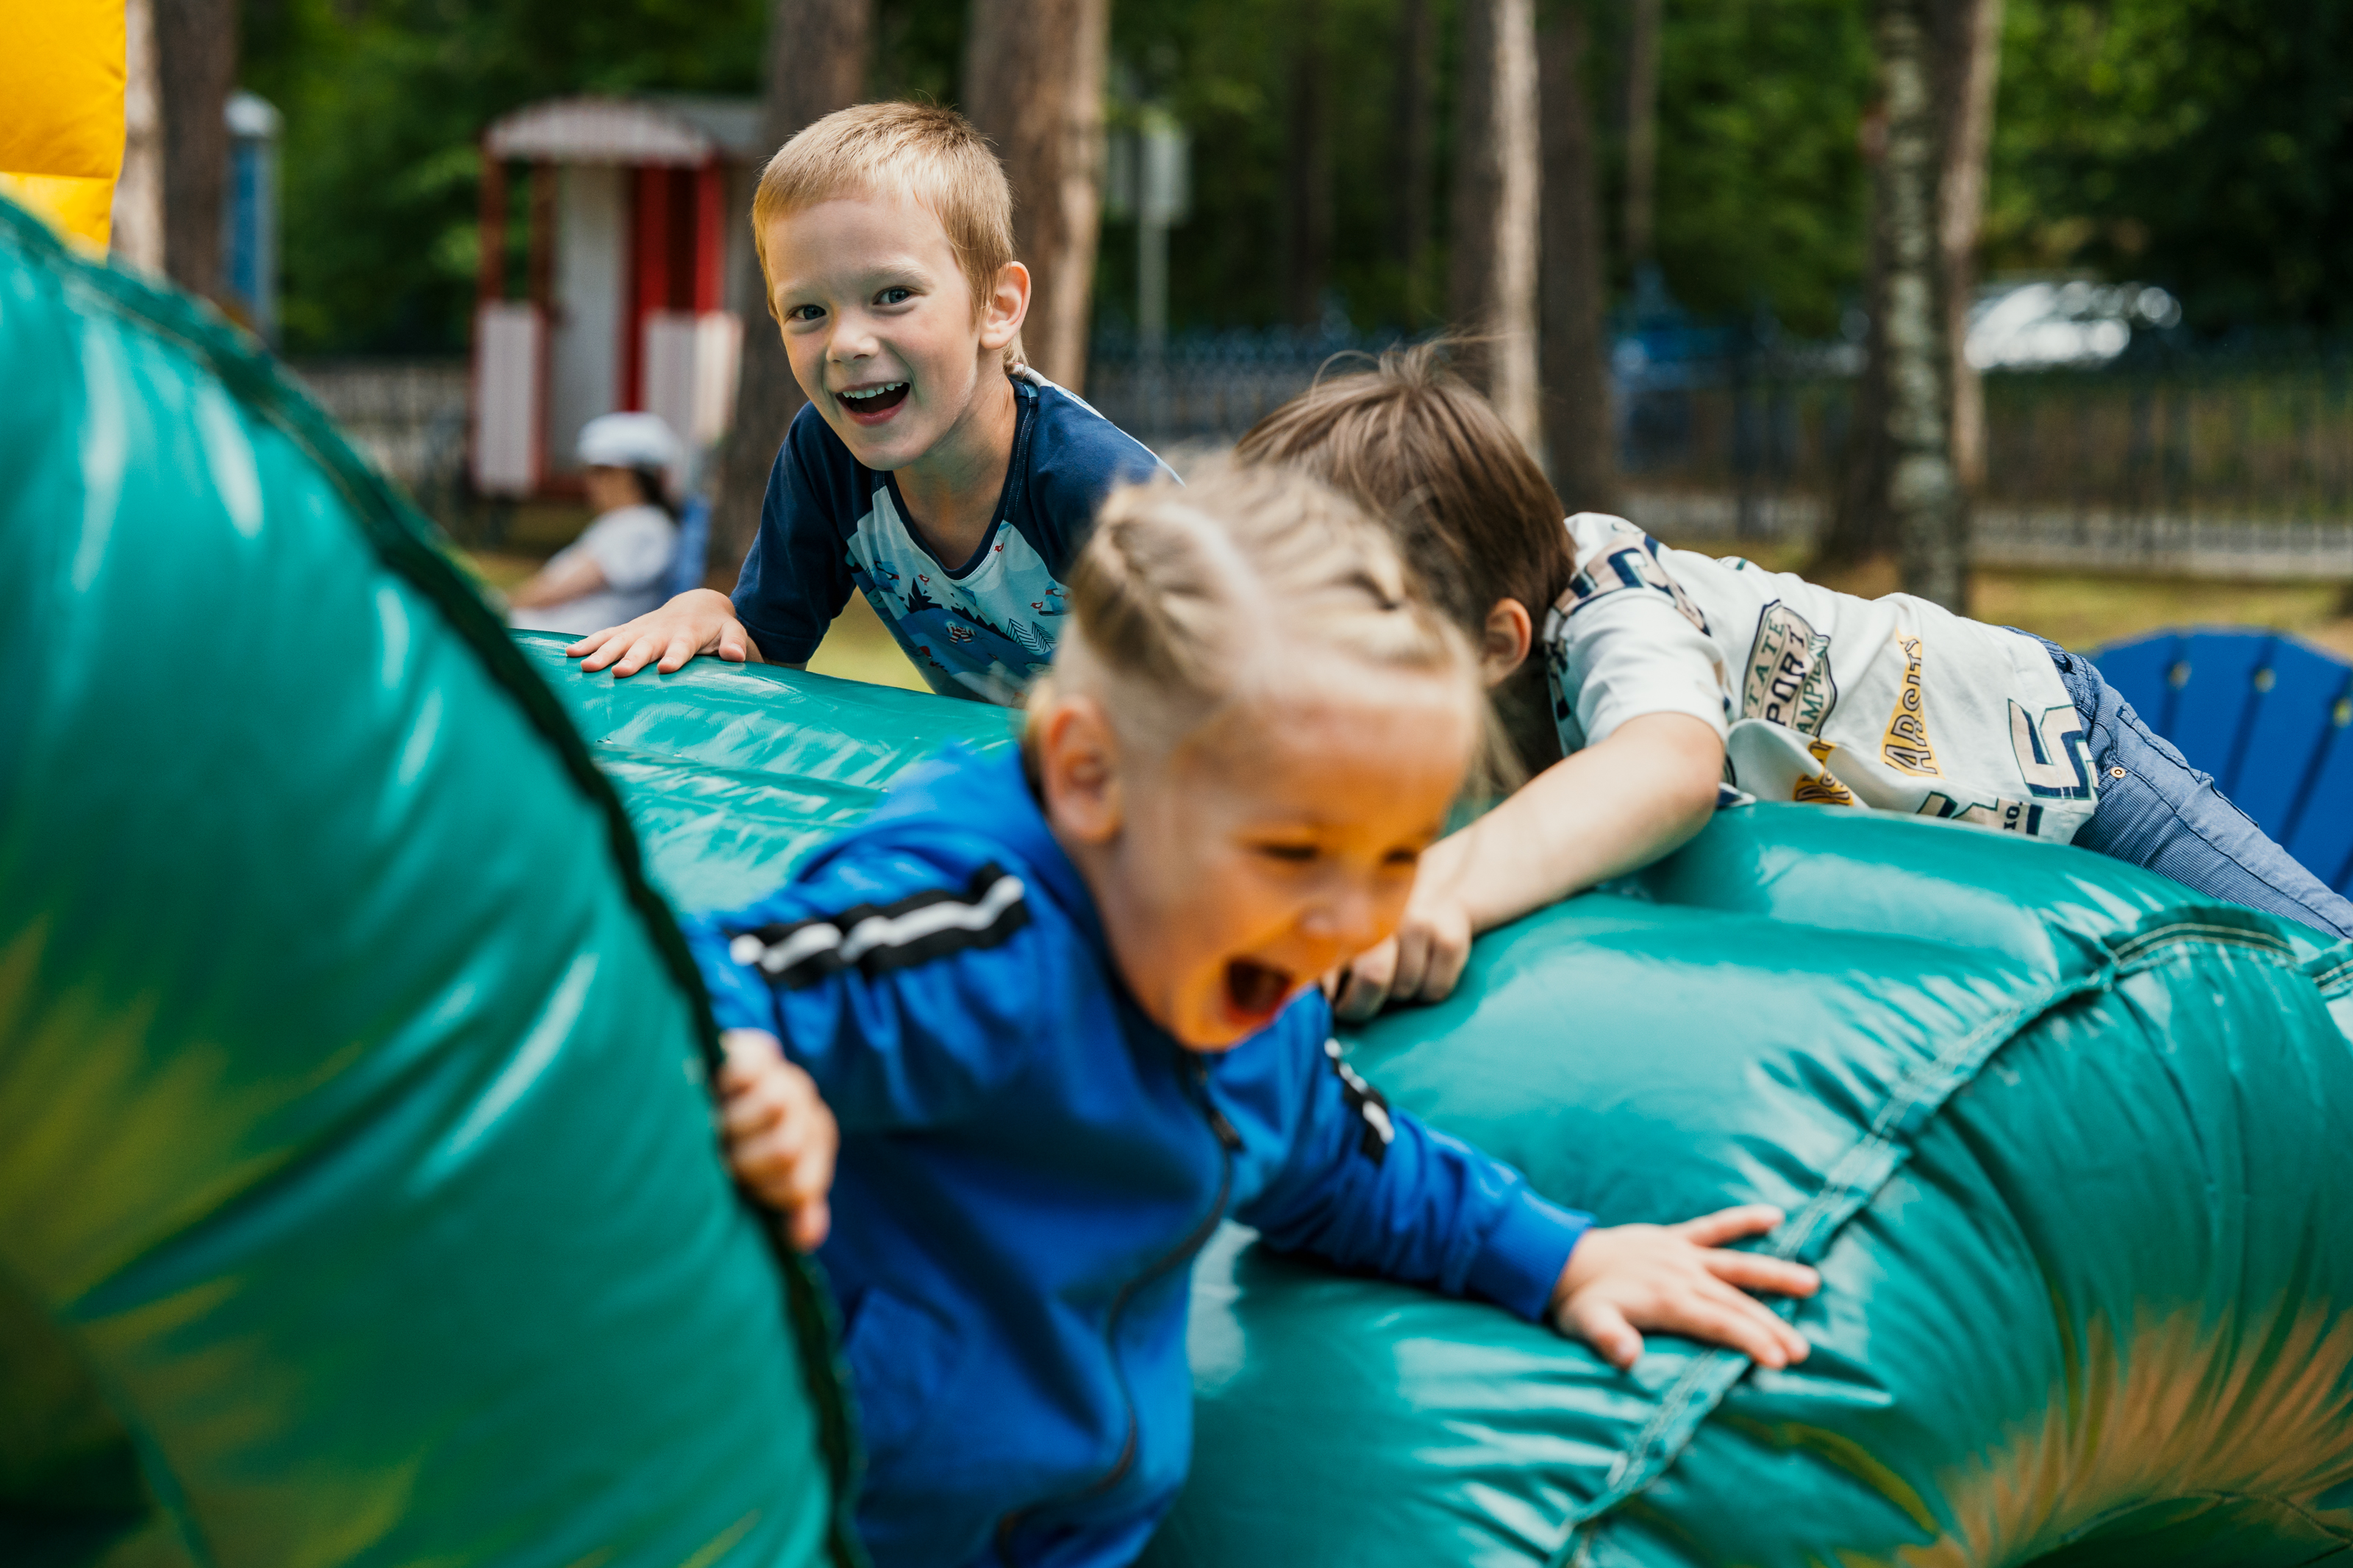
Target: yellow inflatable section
x: 61, y: 136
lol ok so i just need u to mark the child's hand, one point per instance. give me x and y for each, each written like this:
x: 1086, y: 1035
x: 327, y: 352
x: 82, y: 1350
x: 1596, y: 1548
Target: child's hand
x: 781, y: 1139
x: 698, y: 621
x: 1681, y: 1279
x: 1421, y: 963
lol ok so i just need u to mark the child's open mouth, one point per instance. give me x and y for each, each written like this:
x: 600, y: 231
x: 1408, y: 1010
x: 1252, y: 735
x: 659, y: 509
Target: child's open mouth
x: 873, y: 403
x: 1255, y: 992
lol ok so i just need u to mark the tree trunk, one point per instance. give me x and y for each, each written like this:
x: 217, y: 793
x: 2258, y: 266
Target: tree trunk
x: 1578, y: 437
x: 1033, y: 83
x: 1498, y: 170
x: 1859, y: 527
x: 138, y: 217
x: 196, y: 66
x: 1925, y: 502
x: 1969, y: 64
x: 816, y: 61
x: 1643, y: 25
x: 1417, y: 151
x: 1307, y: 174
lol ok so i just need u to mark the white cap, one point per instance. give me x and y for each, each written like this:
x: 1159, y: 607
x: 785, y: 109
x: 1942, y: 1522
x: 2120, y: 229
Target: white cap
x: 628, y: 441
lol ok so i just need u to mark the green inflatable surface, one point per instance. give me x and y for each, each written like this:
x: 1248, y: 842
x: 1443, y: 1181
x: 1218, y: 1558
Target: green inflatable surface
x: 2073, y: 1148
x: 360, y: 1200
x: 358, y: 1203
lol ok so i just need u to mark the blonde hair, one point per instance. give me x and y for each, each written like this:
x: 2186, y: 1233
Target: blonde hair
x: 918, y: 152
x: 1188, y: 602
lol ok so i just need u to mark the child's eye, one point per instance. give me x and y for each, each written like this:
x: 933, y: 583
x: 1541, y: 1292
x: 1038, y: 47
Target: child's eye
x: 805, y: 314
x: 1289, y: 853
x: 1401, y: 859
x: 894, y: 296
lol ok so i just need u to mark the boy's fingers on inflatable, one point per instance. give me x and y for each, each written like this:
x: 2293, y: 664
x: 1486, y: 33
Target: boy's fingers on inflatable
x: 611, y: 644
x: 1364, y: 984
x: 1448, y: 958
x: 590, y: 643
x: 681, y: 648
x: 1754, y: 1271
x: 1411, y: 945
x: 1730, y: 1225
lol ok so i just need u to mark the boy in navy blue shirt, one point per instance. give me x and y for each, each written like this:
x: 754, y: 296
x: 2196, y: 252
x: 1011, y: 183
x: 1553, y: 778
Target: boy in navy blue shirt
x: 932, y: 470
x: 1063, y: 1010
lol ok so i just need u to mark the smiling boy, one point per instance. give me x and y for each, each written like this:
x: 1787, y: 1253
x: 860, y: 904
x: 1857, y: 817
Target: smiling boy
x: 933, y: 471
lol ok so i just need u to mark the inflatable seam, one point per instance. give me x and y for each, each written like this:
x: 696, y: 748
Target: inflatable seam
x: 400, y: 540
x: 1846, y: 1189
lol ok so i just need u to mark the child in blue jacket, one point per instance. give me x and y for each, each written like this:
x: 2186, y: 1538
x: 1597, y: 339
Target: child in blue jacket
x: 1063, y: 1006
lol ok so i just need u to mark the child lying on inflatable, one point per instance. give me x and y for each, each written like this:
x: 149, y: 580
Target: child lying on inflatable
x: 1064, y: 1005
x: 1664, y: 673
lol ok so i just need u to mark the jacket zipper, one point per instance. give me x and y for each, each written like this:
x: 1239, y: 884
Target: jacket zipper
x: 1230, y: 1143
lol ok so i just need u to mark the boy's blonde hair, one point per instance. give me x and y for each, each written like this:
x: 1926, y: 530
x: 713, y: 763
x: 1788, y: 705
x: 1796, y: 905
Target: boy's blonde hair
x: 1188, y: 602
x: 918, y: 152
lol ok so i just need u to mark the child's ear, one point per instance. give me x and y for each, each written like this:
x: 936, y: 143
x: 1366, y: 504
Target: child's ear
x: 1505, y: 640
x: 1078, y: 768
x: 1007, y: 305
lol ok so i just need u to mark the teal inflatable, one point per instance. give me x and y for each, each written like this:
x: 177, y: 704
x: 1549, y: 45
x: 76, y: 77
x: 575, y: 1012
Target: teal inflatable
x: 359, y: 1200
x: 2072, y: 1148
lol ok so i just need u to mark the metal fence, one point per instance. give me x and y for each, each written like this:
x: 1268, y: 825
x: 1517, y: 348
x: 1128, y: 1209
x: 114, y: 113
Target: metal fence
x: 407, y: 417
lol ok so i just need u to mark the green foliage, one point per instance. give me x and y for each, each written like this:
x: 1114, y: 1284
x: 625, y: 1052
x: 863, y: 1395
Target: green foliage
x: 384, y: 104
x: 1761, y: 188
x: 2203, y: 144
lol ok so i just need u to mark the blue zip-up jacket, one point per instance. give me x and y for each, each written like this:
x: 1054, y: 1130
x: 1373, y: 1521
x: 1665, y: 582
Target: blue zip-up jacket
x: 1029, y: 1165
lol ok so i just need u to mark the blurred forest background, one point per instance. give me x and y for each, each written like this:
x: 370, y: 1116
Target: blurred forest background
x: 2202, y: 145
x: 1733, y: 258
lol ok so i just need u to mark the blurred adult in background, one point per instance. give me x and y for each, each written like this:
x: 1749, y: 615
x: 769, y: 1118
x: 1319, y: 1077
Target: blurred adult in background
x: 617, y: 570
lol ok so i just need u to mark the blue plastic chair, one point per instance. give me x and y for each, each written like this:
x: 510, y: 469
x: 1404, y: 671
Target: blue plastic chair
x: 2267, y: 715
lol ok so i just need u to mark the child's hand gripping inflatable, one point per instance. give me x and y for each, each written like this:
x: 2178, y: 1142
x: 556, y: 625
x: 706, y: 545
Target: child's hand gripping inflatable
x: 781, y: 1137
x: 1681, y: 1279
x: 698, y: 621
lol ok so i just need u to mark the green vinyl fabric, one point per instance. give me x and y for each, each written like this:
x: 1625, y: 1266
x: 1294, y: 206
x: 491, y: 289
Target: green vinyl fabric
x: 2072, y: 1148
x: 2072, y: 1151
x: 360, y: 1199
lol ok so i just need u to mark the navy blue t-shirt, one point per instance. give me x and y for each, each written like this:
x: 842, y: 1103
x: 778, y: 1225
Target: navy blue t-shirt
x: 982, y: 628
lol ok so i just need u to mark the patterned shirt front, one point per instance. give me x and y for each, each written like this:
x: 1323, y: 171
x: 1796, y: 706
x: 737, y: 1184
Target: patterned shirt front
x: 984, y: 628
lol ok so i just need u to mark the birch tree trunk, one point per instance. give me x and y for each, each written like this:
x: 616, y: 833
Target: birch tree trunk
x: 195, y: 67
x: 1578, y: 437
x: 817, y: 59
x: 138, y: 217
x: 1033, y: 83
x: 1969, y: 61
x: 1925, y: 502
x: 1497, y: 175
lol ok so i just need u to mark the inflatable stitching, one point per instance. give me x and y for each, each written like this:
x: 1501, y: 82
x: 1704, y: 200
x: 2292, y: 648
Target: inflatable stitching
x: 1850, y: 1185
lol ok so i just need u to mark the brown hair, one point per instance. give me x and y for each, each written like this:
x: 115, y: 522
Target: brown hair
x: 920, y: 152
x: 1190, y: 600
x: 1417, y: 447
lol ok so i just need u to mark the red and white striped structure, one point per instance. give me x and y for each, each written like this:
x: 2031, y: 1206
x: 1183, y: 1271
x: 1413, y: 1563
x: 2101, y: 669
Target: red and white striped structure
x: 635, y: 214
